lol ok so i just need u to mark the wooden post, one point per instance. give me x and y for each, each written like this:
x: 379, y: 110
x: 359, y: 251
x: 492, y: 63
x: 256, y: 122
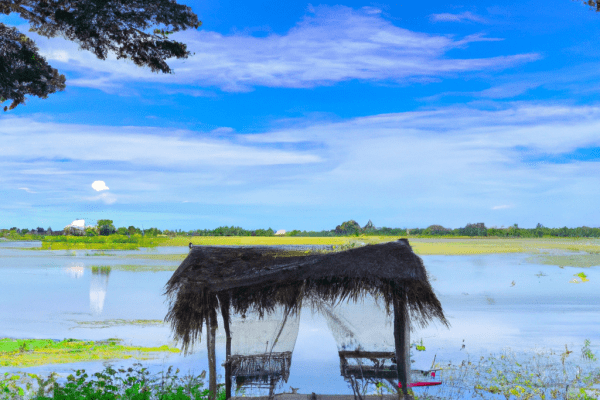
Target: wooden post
x: 212, y: 362
x: 402, y: 339
x: 272, y: 388
x: 225, y: 314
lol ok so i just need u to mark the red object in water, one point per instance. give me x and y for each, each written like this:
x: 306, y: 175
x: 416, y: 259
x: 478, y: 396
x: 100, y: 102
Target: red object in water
x: 421, y: 384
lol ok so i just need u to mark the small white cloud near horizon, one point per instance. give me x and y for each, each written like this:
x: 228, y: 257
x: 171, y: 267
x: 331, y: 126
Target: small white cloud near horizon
x: 106, y: 198
x: 465, y: 16
x: 500, y: 207
x: 27, y: 190
x: 99, y: 186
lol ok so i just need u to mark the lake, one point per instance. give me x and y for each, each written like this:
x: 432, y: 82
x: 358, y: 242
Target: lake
x: 491, y: 301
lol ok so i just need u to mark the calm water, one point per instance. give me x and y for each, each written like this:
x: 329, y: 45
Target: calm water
x: 44, y: 294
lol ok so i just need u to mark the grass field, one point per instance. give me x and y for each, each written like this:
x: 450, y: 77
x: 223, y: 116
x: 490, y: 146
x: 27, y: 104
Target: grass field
x: 421, y: 246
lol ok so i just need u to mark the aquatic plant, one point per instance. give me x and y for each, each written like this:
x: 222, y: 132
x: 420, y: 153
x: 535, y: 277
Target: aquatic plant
x: 586, y: 352
x: 538, y: 376
x: 101, y: 269
x: 108, y: 385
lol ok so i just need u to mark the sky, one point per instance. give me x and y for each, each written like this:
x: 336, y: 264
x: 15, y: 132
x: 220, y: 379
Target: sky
x: 297, y: 115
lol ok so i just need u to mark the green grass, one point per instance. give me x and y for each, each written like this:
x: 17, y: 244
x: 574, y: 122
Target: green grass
x: 143, y: 267
x: 119, y: 322
x: 34, y: 352
x: 112, y: 242
x: 421, y: 245
x: 110, y: 384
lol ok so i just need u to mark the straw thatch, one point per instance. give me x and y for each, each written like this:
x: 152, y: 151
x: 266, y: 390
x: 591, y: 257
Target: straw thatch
x: 259, y: 278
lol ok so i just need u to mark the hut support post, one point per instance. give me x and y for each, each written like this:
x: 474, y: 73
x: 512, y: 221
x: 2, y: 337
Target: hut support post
x: 225, y: 314
x: 212, y: 362
x: 402, y: 339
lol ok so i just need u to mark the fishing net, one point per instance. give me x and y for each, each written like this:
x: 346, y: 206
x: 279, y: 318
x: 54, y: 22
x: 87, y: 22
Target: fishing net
x: 364, y: 335
x: 261, y: 349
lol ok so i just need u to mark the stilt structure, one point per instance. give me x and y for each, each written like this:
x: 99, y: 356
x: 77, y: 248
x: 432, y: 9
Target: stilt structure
x: 261, y: 278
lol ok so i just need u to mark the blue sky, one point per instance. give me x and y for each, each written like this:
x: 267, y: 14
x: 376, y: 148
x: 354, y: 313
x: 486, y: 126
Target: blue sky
x: 297, y: 115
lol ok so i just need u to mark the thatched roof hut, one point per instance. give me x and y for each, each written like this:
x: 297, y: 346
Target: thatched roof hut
x: 259, y: 278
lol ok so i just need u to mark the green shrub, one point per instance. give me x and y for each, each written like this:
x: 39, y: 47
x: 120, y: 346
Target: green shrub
x: 107, y: 385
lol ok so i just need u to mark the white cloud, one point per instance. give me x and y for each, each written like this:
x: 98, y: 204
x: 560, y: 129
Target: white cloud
x: 334, y: 44
x: 432, y: 162
x: 106, y: 198
x: 464, y: 16
x: 136, y: 145
x: 27, y: 190
x: 99, y: 186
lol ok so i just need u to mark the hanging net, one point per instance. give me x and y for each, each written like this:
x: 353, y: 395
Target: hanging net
x: 364, y: 335
x: 261, y: 349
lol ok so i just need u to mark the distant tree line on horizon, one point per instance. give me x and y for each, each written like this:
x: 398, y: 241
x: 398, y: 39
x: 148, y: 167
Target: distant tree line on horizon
x: 106, y: 227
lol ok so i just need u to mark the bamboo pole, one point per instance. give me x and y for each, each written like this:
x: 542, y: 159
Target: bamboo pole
x: 225, y: 314
x: 212, y: 362
x: 402, y: 342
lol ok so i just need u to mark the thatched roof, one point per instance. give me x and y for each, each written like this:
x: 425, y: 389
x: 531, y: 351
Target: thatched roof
x: 261, y: 277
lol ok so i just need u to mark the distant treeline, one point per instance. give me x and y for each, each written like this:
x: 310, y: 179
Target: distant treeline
x: 348, y: 228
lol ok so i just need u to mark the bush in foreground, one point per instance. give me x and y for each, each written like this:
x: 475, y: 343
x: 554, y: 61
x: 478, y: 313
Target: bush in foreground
x: 136, y: 385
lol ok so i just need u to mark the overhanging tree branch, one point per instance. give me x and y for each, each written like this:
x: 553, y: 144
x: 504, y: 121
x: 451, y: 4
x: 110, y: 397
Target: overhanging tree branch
x: 96, y: 25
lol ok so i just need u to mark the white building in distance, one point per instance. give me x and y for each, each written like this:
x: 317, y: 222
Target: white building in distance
x: 280, y: 232
x: 77, y: 224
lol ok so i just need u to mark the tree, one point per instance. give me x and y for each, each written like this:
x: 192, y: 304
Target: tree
x: 106, y: 227
x: 593, y: 3
x: 96, y: 25
x: 350, y: 227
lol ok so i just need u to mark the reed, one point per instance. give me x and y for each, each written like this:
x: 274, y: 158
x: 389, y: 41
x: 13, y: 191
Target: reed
x: 535, y: 375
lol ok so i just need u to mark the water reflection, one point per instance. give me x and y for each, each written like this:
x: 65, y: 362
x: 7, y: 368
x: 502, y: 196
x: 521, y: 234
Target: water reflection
x: 75, y: 271
x: 98, y: 287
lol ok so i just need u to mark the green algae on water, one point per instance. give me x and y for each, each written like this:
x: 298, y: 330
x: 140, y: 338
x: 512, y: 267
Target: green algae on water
x: 119, y: 322
x: 34, y: 352
x: 567, y: 260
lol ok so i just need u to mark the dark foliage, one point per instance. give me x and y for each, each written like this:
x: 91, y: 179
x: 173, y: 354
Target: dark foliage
x: 23, y: 71
x: 478, y: 229
x: 261, y: 277
x: 593, y: 3
x: 96, y: 25
x: 348, y: 228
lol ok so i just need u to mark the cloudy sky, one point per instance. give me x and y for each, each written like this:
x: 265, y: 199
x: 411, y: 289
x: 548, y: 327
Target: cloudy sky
x: 297, y: 115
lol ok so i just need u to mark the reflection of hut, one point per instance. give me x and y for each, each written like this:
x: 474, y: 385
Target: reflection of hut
x: 261, y: 349
x: 260, y: 278
x: 75, y: 271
